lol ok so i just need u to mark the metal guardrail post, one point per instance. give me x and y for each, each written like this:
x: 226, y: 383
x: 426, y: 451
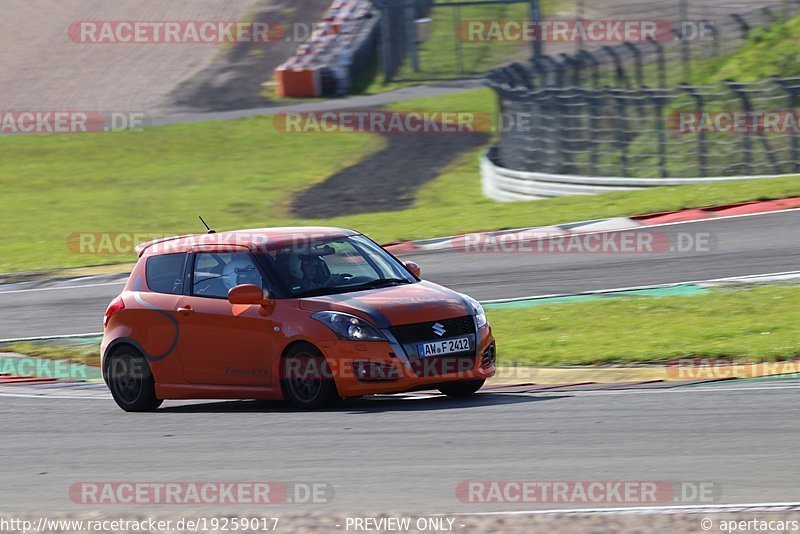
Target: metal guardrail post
x: 747, y: 144
x: 660, y: 98
x: 660, y: 63
x: 792, y: 91
x: 619, y: 71
x: 637, y: 61
x: 685, y: 51
x: 554, y: 159
x: 621, y: 134
x: 714, y: 35
x: 595, y: 66
x: 575, y: 63
x: 595, y: 101
x: 701, y: 136
x: 538, y: 66
x: 536, y: 15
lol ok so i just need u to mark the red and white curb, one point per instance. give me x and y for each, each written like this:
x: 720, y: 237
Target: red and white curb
x: 613, y: 224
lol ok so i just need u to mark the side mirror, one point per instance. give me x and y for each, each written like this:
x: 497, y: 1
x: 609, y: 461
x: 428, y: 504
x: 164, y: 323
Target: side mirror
x: 413, y: 268
x: 247, y: 294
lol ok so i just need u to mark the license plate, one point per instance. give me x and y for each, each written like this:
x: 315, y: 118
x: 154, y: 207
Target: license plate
x: 445, y: 346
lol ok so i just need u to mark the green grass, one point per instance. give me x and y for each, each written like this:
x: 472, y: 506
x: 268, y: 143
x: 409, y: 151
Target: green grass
x: 76, y: 352
x: 745, y: 325
x: 235, y: 173
x: 767, y: 52
x: 749, y: 325
x: 243, y: 174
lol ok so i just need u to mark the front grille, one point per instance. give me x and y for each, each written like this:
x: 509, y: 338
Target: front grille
x: 413, y: 333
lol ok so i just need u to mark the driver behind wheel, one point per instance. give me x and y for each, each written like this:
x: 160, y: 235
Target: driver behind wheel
x: 238, y: 272
x: 309, y: 271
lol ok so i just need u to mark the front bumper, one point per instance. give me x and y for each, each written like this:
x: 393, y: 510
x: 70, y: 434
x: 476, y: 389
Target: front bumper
x: 391, y: 370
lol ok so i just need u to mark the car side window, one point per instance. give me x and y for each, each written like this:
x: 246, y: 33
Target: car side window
x: 164, y: 273
x: 217, y: 273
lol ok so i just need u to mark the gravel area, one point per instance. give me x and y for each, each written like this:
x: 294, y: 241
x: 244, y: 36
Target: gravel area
x: 42, y: 69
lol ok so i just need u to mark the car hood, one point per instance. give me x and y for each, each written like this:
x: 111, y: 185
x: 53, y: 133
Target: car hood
x: 406, y: 304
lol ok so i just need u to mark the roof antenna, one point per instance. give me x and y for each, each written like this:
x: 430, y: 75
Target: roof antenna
x: 210, y: 231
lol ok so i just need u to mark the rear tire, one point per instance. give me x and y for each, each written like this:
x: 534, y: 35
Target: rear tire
x: 462, y: 389
x: 307, y: 380
x: 131, y: 380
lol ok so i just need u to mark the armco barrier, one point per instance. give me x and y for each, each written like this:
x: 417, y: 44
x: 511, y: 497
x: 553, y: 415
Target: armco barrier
x: 340, y: 47
x: 506, y: 185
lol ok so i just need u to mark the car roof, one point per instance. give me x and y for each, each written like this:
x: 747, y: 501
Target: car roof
x: 252, y: 238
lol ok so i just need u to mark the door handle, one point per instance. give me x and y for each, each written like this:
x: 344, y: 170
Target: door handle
x: 186, y: 310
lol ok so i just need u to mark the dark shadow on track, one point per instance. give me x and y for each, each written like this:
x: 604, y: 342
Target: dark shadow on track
x: 365, y: 405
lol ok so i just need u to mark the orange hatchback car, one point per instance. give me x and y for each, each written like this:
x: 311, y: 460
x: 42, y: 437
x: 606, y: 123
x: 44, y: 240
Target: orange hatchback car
x: 311, y: 315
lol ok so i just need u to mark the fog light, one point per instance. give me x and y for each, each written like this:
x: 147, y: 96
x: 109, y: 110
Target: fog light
x: 369, y: 371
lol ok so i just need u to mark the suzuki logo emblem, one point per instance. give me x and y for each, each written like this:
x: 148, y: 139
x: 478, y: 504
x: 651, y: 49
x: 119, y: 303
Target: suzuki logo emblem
x: 438, y: 329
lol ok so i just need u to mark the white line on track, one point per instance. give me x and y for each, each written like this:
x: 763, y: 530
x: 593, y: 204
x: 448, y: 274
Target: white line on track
x: 56, y: 397
x: 58, y: 288
x: 50, y: 338
x: 786, y: 275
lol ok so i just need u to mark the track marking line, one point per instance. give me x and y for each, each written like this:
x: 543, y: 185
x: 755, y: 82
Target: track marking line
x: 47, y: 338
x: 58, y: 288
x: 639, y: 288
x: 55, y: 397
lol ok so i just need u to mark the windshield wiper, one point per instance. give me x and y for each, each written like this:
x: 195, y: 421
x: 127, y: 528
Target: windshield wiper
x: 381, y: 282
x: 374, y: 284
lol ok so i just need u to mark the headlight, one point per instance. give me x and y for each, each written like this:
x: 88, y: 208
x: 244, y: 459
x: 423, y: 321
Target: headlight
x: 480, y: 314
x: 348, y: 326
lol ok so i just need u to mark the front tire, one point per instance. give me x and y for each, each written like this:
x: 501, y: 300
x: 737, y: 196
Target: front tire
x: 307, y: 380
x: 462, y: 389
x: 131, y: 381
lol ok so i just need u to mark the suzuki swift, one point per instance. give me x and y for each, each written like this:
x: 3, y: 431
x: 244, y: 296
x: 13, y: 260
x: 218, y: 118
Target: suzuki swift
x: 310, y: 315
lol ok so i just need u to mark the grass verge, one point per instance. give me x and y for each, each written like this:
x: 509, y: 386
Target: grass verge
x: 76, y: 352
x: 746, y: 325
x: 244, y: 173
x: 235, y: 173
x: 750, y: 325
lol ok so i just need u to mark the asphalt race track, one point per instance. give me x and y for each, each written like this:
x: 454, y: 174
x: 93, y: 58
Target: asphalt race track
x: 752, y: 245
x: 408, y: 455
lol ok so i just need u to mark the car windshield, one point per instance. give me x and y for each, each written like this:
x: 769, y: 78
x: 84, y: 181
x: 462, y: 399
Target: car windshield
x: 338, y: 265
